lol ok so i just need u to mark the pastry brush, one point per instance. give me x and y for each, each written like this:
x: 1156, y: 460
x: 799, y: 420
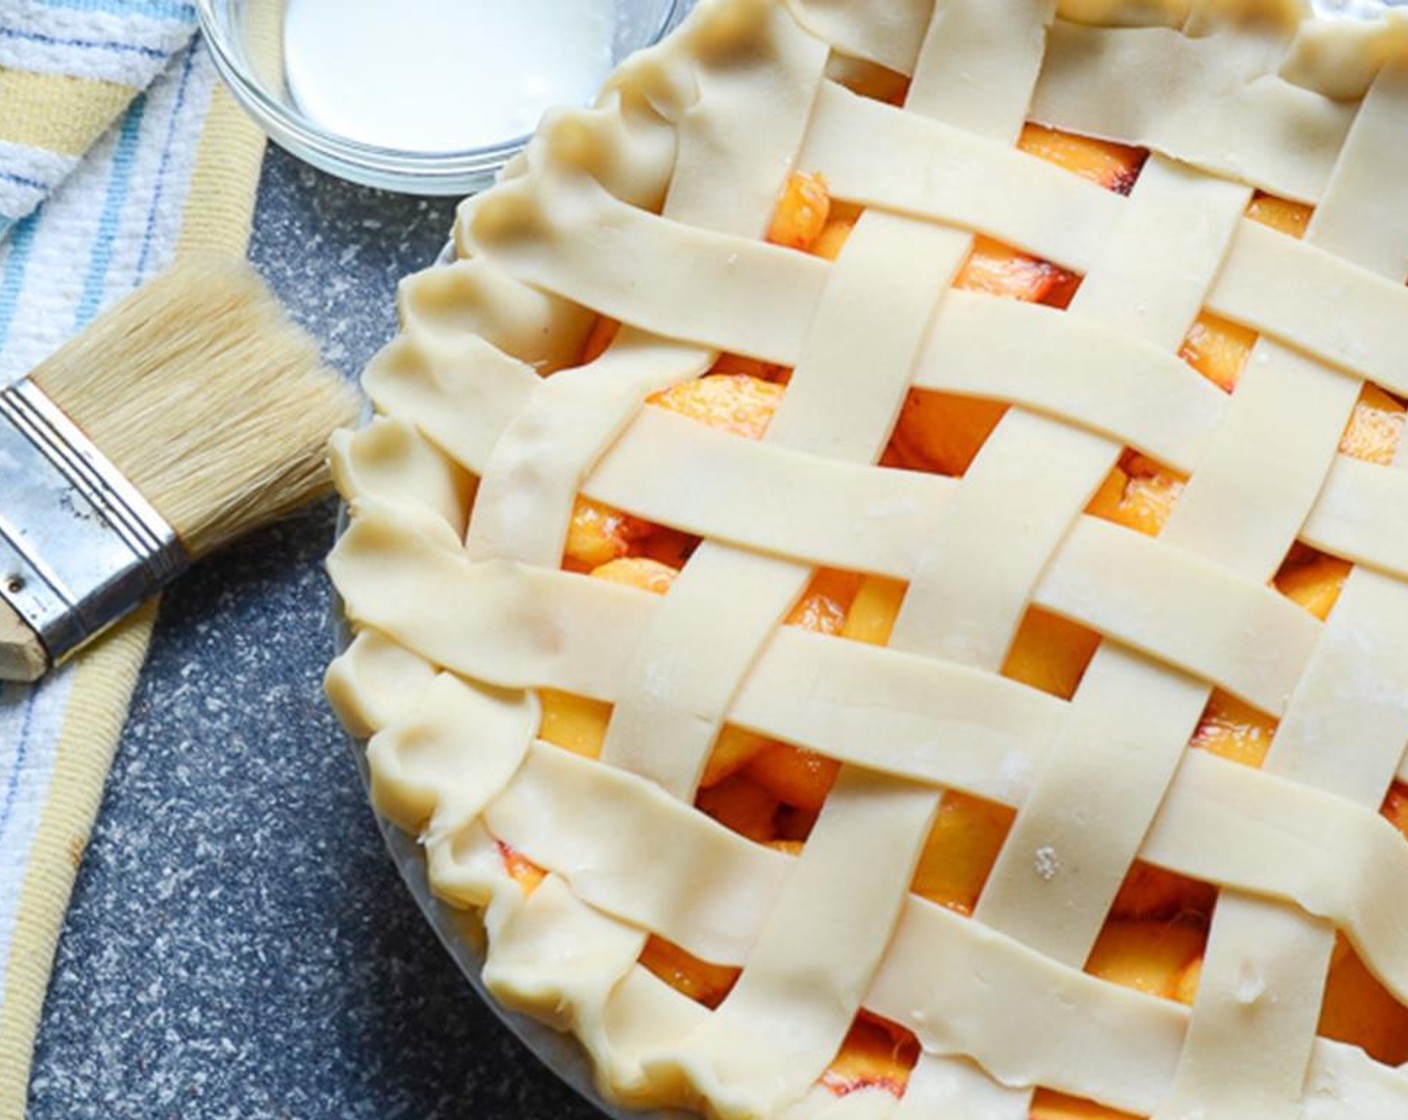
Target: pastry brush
x: 189, y: 414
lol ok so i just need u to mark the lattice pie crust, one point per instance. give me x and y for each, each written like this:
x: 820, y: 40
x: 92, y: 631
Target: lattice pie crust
x: 649, y: 209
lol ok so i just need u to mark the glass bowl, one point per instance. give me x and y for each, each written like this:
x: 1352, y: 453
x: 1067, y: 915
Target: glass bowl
x: 288, y: 62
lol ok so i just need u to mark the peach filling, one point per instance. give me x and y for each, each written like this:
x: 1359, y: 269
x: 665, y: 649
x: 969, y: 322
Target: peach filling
x: 771, y: 792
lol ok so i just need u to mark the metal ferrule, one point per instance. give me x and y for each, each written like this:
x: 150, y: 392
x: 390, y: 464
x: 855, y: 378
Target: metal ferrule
x: 79, y: 545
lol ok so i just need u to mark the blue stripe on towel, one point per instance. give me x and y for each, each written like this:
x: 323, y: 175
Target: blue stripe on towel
x: 12, y: 278
x: 152, y: 9
x: 187, y: 66
x: 12, y: 784
x: 82, y: 44
x: 23, y: 180
x: 123, y: 159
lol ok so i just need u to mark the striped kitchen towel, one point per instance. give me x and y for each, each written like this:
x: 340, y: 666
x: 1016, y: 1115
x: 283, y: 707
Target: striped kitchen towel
x: 118, y: 149
x: 68, y: 70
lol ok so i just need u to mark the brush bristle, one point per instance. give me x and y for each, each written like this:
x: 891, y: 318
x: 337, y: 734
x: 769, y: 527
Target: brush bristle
x: 207, y: 397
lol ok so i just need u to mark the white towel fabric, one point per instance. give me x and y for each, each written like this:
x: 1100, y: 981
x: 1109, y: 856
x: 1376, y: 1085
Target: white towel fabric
x: 125, y: 43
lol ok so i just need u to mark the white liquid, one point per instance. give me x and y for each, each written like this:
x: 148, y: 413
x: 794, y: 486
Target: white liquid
x: 443, y: 75
x: 1354, y: 9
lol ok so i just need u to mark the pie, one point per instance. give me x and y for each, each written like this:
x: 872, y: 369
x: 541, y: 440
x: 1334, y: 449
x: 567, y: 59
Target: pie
x: 882, y: 567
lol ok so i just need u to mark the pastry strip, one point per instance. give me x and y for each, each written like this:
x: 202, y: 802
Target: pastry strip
x: 878, y: 155
x: 1321, y: 303
x: 1212, y: 99
x: 1362, y: 515
x: 1287, y: 841
x: 1058, y: 873
x: 756, y: 1053
x: 1263, y: 978
x: 893, y: 273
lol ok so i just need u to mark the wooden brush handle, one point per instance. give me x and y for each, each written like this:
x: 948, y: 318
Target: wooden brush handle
x: 22, y: 655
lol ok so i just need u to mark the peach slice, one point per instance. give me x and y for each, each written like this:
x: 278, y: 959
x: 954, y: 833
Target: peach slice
x: 1360, y: 1011
x: 837, y: 231
x: 795, y: 777
x: 639, y: 572
x: 599, y: 534
x: 1218, y: 349
x: 801, y: 212
x: 1280, y: 214
x: 752, y: 367
x: 943, y: 432
x: 1375, y: 427
x: 667, y: 546
x: 1113, y: 166
x: 875, y: 1055
x: 823, y: 607
x: 1056, y: 1106
x: 732, y: 751
x: 728, y: 402
x: 874, y: 610
x: 524, y: 871
x: 742, y: 806
x: 1314, y: 584
x: 599, y: 339
x: 701, y: 981
x: 960, y: 851
x: 1150, y: 893
x: 1395, y: 807
x: 1139, y: 494
x: 1234, y: 730
x: 833, y: 238
x: 997, y: 270
x: 1150, y: 957
x: 1050, y: 653
x: 574, y: 723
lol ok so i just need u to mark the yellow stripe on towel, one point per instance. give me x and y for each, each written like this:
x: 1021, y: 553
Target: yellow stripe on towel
x: 56, y: 112
x: 97, y: 709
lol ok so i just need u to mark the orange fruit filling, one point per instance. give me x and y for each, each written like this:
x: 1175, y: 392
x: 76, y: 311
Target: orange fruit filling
x: 876, y: 1054
x: 1139, y: 494
x: 1054, y: 1106
x: 960, y: 852
x: 1156, y: 958
x: 1115, y: 167
x: 1234, y: 730
x: 801, y: 213
x: 1375, y: 429
x: 770, y: 792
x: 699, y: 980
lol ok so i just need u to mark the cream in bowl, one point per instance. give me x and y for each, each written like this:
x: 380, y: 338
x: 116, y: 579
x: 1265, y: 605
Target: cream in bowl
x: 432, y: 97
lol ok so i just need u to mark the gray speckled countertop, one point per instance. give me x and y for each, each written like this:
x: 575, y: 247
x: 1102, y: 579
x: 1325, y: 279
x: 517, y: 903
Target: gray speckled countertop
x: 239, y: 944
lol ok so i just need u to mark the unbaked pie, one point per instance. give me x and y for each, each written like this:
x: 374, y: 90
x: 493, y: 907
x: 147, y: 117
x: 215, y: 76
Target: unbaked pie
x: 882, y: 567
